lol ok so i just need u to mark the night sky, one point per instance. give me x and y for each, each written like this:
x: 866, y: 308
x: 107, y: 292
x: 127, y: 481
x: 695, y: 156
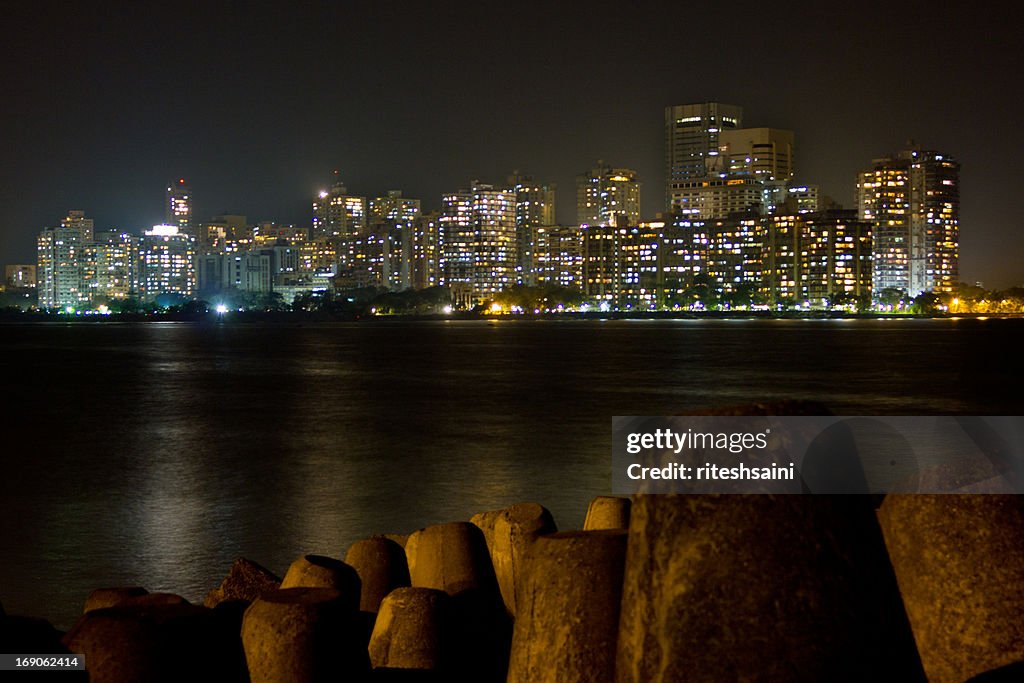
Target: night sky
x: 103, y: 104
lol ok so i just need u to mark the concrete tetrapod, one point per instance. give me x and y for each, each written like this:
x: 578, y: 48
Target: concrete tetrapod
x: 157, y: 642
x: 450, y: 557
x: 509, y: 533
x: 569, y: 602
x: 453, y: 558
x: 381, y: 566
x: 961, y: 572
x: 760, y: 587
x: 299, y: 635
x: 318, y: 571
x: 607, y: 512
x: 410, y: 630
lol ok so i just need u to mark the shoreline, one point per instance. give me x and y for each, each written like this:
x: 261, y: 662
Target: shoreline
x: 315, y: 317
x: 847, y: 577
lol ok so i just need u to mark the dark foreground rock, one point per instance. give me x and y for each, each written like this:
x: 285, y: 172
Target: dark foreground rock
x: 246, y: 580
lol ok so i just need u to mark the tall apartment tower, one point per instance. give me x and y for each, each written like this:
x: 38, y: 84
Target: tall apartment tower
x: 166, y: 263
x: 478, y: 237
x: 336, y: 213
x: 535, y: 208
x: 393, y: 209
x: 692, y: 138
x: 178, y: 205
x: 59, y: 253
x: 912, y: 199
x: 607, y: 196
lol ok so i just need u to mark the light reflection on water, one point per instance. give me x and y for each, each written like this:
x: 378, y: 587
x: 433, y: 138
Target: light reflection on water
x: 155, y: 454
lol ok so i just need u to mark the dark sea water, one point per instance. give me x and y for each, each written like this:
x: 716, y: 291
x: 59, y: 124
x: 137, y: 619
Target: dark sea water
x: 155, y: 453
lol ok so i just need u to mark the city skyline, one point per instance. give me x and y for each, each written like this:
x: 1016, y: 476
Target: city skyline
x: 106, y: 132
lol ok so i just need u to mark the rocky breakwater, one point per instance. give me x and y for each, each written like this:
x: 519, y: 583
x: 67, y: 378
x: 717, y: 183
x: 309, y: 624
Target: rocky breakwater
x: 667, y: 588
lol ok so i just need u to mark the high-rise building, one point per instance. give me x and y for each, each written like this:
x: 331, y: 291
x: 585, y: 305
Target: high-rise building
x: 108, y: 267
x: 178, y: 205
x: 607, y: 196
x: 478, y: 237
x: 817, y: 259
x: 58, y: 277
x: 558, y: 255
x: 535, y: 207
x: 935, y: 212
x: 76, y: 220
x: 336, y: 213
x: 166, y: 263
x: 59, y: 253
x: 761, y: 153
x: 716, y: 197
x: 912, y: 200
x: 424, y: 251
x: 393, y: 209
x: 692, y: 137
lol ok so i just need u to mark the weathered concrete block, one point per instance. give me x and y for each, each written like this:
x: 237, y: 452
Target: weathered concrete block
x: 760, y: 587
x: 569, y: 602
x: 607, y: 512
x: 381, y: 566
x: 450, y: 557
x: 411, y: 629
x: 246, y: 580
x: 959, y: 560
x: 108, y: 597
x: 156, y: 642
x: 300, y: 635
x: 317, y: 571
x: 509, y: 534
x: 453, y: 558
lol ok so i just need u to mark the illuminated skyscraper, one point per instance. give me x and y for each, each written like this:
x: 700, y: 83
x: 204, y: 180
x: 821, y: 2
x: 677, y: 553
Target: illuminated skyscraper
x: 166, y: 263
x: 424, y: 252
x: 692, y: 137
x: 336, y: 213
x: 76, y: 220
x: 557, y: 255
x: 816, y: 259
x: 59, y: 254
x: 108, y: 267
x: 912, y: 200
x: 535, y: 207
x: 393, y: 209
x: 478, y: 237
x: 58, y: 277
x: 607, y: 196
x: 178, y: 205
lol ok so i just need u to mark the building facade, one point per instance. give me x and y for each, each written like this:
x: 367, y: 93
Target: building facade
x: 912, y: 200
x: 166, y: 263
x: 692, y: 140
x: 607, y: 196
x: 178, y: 205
